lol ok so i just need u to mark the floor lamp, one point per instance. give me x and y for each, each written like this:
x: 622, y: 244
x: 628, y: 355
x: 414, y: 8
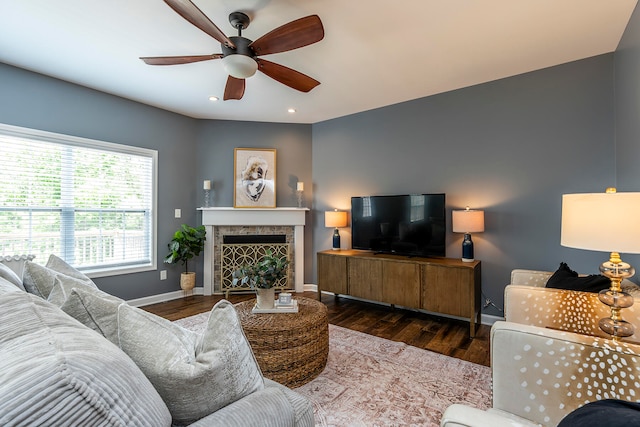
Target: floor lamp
x: 606, y: 222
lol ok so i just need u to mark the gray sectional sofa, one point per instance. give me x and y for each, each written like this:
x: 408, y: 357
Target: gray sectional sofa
x: 73, y: 355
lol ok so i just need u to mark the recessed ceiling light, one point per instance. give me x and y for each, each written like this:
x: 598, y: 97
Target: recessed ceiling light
x: 291, y: 110
x: 213, y: 98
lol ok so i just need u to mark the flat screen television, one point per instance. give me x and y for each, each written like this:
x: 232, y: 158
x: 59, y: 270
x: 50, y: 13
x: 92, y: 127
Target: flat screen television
x: 411, y: 224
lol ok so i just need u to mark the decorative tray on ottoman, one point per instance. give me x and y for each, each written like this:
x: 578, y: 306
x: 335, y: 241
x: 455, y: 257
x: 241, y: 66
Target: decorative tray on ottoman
x: 278, y: 308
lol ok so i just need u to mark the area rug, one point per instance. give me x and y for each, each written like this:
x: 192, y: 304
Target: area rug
x: 371, y: 381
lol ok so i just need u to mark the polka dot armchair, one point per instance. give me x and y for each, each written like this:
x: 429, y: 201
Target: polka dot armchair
x: 527, y: 301
x: 547, y: 361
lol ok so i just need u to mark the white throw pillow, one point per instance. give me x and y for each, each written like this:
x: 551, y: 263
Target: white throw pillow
x: 94, y: 308
x: 39, y: 280
x: 62, y: 287
x: 61, y: 266
x: 196, y: 374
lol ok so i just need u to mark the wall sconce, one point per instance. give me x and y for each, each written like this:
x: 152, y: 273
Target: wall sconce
x: 605, y: 222
x: 335, y: 219
x: 468, y: 221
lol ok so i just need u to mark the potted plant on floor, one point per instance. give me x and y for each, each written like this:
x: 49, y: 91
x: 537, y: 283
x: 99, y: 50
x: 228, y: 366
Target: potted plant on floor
x: 263, y: 276
x: 187, y: 243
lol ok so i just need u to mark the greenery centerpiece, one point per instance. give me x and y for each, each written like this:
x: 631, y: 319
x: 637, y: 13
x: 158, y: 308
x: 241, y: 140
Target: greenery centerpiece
x: 187, y: 243
x: 262, y: 276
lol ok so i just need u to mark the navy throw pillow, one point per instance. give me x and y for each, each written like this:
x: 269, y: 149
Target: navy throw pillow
x: 601, y: 413
x: 566, y: 278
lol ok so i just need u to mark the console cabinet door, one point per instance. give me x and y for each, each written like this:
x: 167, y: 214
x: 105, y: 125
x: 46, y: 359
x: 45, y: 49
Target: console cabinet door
x: 401, y: 281
x: 448, y: 290
x: 332, y: 274
x: 365, y: 278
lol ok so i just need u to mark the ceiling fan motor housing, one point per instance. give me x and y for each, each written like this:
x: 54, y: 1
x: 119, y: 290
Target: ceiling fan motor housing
x: 242, y: 47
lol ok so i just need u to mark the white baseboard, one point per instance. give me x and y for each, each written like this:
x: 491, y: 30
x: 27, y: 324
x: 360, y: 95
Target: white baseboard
x: 155, y: 299
x: 489, y: 319
x: 309, y: 287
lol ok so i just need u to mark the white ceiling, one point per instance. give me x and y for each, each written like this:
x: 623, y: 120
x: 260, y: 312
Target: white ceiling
x: 375, y: 52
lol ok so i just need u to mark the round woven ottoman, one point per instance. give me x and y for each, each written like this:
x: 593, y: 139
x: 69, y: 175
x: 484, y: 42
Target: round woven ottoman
x: 291, y: 348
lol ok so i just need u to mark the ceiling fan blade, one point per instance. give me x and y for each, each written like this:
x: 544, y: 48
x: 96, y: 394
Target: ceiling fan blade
x: 234, y: 88
x: 295, y: 34
x: 292, y: 78
x: 191, y: 13
x: 174, y: 60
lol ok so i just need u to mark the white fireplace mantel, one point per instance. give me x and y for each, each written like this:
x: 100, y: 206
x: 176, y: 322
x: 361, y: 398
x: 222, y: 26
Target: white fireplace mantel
x: 227, y: 216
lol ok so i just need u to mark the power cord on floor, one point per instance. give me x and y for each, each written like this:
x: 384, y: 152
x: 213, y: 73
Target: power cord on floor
x: 488, y: 302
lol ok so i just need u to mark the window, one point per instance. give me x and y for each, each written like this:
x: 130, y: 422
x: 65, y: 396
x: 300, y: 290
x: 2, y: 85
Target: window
x: 92, y: 203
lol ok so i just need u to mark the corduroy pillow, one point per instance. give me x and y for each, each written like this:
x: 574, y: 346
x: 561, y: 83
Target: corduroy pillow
x: 11, y: 276
x: 196, y: 374
x: 6, y: 286
x: 54, y: 371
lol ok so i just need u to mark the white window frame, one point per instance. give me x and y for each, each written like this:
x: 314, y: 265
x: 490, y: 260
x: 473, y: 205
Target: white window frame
x: 57, y: 138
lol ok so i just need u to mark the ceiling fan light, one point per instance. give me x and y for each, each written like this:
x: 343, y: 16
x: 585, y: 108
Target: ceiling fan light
x: 240, y: 66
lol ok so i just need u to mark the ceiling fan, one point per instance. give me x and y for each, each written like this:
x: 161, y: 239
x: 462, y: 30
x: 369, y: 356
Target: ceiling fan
x: 241, y: 55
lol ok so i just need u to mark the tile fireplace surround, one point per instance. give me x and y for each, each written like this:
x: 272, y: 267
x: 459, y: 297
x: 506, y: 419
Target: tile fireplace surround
x: 237, y: 221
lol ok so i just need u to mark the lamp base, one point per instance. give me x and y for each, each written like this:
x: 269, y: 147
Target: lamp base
x: 616, y: 270
x: 467, y: 248
x: 336, y: 240
x: 616, y: 328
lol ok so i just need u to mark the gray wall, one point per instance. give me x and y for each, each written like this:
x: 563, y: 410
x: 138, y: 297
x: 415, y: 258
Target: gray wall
x: 627, y: 125
x: 216, y: 142
x: 34, y: 101
x: 511, y: 147
x: 189, y: 151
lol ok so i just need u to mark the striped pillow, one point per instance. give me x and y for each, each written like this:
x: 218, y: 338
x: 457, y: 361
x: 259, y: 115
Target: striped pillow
x: 56, y: 372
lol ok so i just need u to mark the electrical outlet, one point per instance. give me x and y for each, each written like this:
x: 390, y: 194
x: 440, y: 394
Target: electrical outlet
x: 163, y: 274
x: 178, y: 213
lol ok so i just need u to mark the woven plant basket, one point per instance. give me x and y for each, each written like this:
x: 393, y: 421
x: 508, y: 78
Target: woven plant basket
x: 188, y: 280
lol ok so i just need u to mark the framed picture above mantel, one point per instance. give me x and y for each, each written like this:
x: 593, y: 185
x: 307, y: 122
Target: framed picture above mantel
x: 254, y: 172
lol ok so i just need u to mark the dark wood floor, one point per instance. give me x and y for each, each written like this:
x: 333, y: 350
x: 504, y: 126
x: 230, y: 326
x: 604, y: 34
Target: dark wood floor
x: 439, y: 334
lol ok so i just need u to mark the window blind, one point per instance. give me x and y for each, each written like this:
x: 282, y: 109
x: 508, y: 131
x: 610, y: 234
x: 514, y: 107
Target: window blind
x: 89, y: 202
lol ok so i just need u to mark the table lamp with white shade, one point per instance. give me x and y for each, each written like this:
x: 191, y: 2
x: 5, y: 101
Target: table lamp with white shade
x: 467, y: 221
x: 607, y: 222
x: 335, y: 219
